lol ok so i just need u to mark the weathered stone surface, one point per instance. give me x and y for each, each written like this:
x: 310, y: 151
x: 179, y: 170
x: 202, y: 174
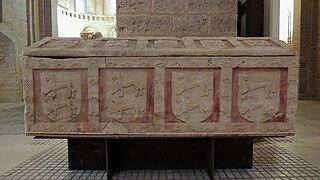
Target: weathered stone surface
x: 163, y: 46
x: 8, y: 81
x: 60, y: 95
x: 182, y: 18
x: 13, y: 38
x: 212, y: 6
x: 230, y: 6
x: 133, y: 6
x: 258, y: 95
x: 138, y: 25
x: 196, y: 6
x: 192, y: 96
x: 160, y: 87
x: 190, y: 25
x: 168, y: 6
x: 223, y: 25
x: 126, y: 95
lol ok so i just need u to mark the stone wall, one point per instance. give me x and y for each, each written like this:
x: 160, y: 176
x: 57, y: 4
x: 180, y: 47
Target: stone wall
x: 8, y: 81
x: 306, y: 40
x: 176, y: 18
x: 13, y: 38
x: 318, y: 50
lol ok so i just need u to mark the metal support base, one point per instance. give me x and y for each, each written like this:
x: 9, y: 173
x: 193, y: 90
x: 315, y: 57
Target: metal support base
x: 86, y: 154
x: 233, y: 153
x: 123, y: 154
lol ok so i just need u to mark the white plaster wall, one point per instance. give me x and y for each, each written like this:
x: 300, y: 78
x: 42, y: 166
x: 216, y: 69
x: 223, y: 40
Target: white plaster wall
x: 286, y: 8
x: 71, y: 26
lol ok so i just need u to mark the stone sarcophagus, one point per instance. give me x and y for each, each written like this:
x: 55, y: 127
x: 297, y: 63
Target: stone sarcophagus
x: 160, y: 87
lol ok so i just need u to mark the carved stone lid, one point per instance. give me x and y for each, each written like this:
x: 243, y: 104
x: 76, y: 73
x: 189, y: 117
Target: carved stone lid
x: 157, y: 47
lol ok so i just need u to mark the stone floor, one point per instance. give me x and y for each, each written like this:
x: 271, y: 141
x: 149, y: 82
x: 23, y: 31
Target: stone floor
x: 296, y: 157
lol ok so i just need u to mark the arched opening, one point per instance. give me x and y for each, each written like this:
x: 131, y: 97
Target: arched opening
x: 74, y: 16
x: 8, y: 81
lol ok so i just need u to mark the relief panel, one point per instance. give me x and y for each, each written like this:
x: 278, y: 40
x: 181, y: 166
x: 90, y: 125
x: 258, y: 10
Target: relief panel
x: 165, y: 44
x: 213, y: 44
x: 126, y: 95
x: 121, y: 43
x: 61, y: 95
x: 192, y: 95
x: 259, y: 95
x: 258, y: 43
x: 55, y: 43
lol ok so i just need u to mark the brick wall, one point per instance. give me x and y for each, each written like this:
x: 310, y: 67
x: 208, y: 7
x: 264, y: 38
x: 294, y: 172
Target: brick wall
x: 176, y: 18
x: 306, y: 42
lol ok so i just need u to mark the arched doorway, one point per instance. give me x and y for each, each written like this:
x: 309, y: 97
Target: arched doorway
x: 8, y: 81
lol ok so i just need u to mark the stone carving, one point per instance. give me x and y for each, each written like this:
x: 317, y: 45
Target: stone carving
x: 121, y: 85
x: 90, y: 35
x: 117, y: 43
x: 166, y: 44
x: 261, y: 43
x: 126, y: 95
x: 258, y: 95
x: 54, y: 43
x: 59, y: 97
x: 144, y: 64
x: 133, y: 90
x: 213, y: 44
x: 192, y: 95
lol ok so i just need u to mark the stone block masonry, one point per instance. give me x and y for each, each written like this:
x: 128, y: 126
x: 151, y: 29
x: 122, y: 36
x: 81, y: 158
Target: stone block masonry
x: 13, y: 38
x: 8, y: 81
x: 306, y: 40
x: 177, y: 18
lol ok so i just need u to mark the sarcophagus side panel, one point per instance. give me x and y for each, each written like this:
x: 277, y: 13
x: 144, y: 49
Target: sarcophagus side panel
x: 160, y: 87
x: 259, y: 95
x: 192, y: 95
x: 61, y: 96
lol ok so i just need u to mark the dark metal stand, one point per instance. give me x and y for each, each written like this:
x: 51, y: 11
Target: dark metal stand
x: 87, y: 154
x: 123, y: 154
x: 233, y: 153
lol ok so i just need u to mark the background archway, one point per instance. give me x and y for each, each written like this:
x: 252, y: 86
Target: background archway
x: 8, y: 80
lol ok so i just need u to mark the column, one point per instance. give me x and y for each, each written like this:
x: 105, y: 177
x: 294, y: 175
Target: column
x: 54, y: 18
x: 306, y: 43
x: 71, y: 5
x: 109, y: 7
x: 99, y: 6
x: 89, y: 6
x: 271, y: 18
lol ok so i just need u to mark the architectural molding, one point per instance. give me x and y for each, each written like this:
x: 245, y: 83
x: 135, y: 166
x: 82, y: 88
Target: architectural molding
x: 271, y: 18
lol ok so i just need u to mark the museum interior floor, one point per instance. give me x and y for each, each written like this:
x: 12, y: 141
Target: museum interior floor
x: 296, y: 157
